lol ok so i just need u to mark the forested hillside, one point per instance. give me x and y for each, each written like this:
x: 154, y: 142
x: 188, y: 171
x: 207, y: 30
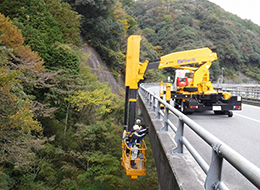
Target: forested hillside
x: 175, y: 25
x: 61, y: 127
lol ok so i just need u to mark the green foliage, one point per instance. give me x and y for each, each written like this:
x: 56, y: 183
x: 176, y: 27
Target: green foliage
x: 64, y: 57
x: 184, y: 25
x: 155, y: 76
x: 83, y: 148
x: 103, y: 169
x: 105, y: 24
x: 5, y: 180
x: 45, y: 26
x: 128, y: 3
x: 19, y: 165
x: 15, y: 111
x: 67, y: 20
x: 81, y: 99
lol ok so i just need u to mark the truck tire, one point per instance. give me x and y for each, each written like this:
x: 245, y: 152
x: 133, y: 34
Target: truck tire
x: 185, y: 111
x: 230, y: 114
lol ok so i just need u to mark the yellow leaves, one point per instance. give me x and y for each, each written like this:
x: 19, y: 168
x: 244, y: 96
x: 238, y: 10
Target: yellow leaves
x: 159, y: 50
x: 11, y: 37
x: 23, y: 118
x: 15, y: 112
x: 30, y: 60
x: 97, y: 99
x: 121, y: 16
x: 9, y: 33
x: 8, y: 79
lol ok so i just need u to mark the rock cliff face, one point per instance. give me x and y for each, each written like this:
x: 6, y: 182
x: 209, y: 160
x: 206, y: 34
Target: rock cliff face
x: 97, y: 66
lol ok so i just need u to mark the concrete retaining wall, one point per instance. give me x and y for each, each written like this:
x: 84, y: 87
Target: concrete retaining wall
x: 174, y: 173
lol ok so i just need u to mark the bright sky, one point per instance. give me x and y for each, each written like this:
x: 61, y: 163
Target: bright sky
x: 245, y: 9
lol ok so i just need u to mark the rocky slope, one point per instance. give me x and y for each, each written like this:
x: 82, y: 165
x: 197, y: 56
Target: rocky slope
x: 100, y: 69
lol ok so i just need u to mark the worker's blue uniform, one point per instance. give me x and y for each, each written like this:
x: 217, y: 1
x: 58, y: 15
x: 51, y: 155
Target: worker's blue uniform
x: 135, y: 143
x: 137, y: 136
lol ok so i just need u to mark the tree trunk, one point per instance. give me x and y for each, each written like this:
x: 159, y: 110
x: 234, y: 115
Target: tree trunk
x: 67, y: 116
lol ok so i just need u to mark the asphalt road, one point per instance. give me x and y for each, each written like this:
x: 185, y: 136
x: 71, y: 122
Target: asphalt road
x: 241, y: 132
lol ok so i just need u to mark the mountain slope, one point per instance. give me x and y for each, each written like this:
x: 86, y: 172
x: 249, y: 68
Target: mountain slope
x: 182, y: 25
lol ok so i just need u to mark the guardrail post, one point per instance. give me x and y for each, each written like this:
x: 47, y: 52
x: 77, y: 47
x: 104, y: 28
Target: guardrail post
x: 165, y: 120
x: 213, y: 178
x: 150, y: 100
x: 178, y: 137
x: 153, y: 103
x: 147, y: 96
x: 158, y: 110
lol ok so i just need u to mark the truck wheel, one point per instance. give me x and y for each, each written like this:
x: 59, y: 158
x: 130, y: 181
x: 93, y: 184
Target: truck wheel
x: 230, y: 114
x: 185, y: 111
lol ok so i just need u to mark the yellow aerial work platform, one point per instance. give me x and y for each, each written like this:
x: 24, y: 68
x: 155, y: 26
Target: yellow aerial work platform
x: 139, y: 160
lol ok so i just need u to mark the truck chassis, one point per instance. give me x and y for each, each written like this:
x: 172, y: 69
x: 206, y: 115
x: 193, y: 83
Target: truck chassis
x: 189, y: 103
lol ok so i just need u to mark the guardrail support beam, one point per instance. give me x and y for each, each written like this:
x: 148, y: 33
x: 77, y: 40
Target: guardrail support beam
x: 153, y: 103
x: 158, y: 116
x: 213, y: 178
x: 178, y: 137
x: 165, y: 119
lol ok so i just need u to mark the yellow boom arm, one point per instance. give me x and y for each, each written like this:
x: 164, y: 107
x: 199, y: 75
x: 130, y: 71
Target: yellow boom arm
x: 180, y: 60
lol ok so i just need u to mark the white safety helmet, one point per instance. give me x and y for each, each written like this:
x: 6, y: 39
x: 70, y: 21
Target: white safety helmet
x: 138, y: 121
x: 136, y: 127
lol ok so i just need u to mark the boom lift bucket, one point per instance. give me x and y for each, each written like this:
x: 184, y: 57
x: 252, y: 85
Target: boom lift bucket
x: 140, y: 159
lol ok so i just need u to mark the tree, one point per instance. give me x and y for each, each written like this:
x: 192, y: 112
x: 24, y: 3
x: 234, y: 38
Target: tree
x: 10, y: 35
x: 67, y: 20
x: 65, y: 58
x: 17, y: 109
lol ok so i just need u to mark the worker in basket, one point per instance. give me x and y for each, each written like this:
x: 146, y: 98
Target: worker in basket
x: 137, y: 136
x: 137, y: 122
x: 128, y: 137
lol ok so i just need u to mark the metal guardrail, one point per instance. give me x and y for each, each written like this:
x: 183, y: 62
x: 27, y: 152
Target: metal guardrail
x: 250, y: 93
x: 220, y: 150
x: 246, y: 91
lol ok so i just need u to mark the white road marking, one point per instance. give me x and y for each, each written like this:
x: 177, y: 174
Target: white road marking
x: 248, y: 118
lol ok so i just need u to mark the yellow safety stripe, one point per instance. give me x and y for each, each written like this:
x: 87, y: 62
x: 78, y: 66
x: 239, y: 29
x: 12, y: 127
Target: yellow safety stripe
x: 132, y: 100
